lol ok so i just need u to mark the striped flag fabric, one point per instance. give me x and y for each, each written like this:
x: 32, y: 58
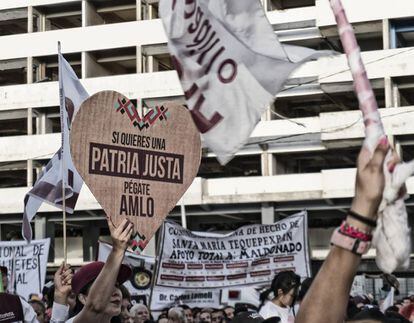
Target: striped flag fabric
x: 48, y: 187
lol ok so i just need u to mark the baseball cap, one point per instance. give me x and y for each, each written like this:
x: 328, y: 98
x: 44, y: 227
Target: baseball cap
x: 90, y: 271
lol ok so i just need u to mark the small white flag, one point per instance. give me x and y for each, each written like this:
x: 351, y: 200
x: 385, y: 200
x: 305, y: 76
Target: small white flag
x: 230, y: 63
x: 48, y: 187
x: 388, y: 301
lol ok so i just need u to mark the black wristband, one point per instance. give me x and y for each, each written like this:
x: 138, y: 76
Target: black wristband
x: 363, y: 219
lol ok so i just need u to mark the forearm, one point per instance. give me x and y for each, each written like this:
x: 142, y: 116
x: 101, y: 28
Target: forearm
x: 60, y: 298
x: 60, y: 313
x: 102, y: 289
x: 327, y: 299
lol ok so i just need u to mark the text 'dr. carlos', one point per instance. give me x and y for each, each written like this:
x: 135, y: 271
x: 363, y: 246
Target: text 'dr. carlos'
x: 109, y: 160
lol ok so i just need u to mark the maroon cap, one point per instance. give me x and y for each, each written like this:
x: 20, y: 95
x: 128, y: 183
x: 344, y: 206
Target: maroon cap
x: 3, y: 270
x: 90, y: 271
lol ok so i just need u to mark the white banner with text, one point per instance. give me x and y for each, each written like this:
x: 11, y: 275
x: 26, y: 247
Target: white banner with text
x: 192, y: 264
x: 26, y: 264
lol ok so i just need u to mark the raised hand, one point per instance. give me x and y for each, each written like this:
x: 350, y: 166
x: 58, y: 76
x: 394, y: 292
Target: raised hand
x: 370, y: 182
x: 63, y: 283
x: 120, y: 235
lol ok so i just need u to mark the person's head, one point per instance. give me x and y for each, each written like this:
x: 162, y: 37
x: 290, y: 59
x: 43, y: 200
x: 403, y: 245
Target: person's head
x: 162, y: 320
x: 217, y: 316
x: 229, y: 312
x: 83, y: 280
x: 39, y: 309
x: 140, y: 313
x: 176, y: 315
x: 196, y: 314
x: 406, y: 301
x: 188, y: 313
x: 205, y: 316
x: 284, y: 288
x: 4, y: 278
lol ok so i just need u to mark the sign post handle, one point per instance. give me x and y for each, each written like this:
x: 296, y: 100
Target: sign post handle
x: 1, y: 283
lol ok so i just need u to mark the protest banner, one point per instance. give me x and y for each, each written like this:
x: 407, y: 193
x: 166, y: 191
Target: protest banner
x: 136, y: 165
x: 193, y: 265
x: 139, y: 285
x: 26, y: 264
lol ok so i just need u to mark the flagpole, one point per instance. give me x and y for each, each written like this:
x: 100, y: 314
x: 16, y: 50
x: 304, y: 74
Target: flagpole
x: 183, y: 215
x: 62, y: 160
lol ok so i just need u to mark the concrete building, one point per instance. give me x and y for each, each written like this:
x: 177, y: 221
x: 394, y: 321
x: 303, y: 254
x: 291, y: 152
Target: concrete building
x: 306, y: 162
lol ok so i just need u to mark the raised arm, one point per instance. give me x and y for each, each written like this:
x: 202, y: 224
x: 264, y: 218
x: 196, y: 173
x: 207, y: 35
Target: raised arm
x: 327, y: 299
x: 102, y: 289
x: 63, y: 287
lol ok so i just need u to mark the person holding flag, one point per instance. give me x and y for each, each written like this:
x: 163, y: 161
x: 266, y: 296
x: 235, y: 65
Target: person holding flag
x: 96, y: 285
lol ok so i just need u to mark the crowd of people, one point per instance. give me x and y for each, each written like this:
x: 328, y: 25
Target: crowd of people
x: 95, y: 292
x: 286, y: 290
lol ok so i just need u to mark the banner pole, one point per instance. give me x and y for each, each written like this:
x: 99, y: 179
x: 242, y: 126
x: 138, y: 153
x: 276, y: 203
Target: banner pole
x: 183, y: 215
x: 39, y: 273
x: 62, y: 160
x: 156, y: 264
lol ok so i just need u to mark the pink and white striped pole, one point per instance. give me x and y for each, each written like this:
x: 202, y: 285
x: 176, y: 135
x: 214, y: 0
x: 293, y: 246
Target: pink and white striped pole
x: 374, y: 130
x: 392, y: 234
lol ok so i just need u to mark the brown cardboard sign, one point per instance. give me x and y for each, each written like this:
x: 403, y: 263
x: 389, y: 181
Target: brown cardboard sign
x: 136, y: 165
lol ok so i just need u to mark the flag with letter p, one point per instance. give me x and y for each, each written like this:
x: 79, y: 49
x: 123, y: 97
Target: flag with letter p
x: 230, y: 64
x: 48, y: 187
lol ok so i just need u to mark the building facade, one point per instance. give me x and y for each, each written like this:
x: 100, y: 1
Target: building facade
x: 300, y: 156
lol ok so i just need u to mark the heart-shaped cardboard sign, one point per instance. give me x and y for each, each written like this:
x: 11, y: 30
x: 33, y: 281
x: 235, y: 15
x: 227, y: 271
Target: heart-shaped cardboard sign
x: 136, y: 166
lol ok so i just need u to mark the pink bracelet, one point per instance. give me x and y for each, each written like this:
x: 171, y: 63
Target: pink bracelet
x: 353, y: 232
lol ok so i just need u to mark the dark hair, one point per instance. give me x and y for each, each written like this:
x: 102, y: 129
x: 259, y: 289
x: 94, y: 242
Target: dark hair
x: 395, y: 317
x: 244, y: 307
x: 125, y: 292
x: 274, y: 319
x: 49, y: 295
x: 392, y: 308
x: 185, y: 307
x: 369, y: 314
x: 304, y: 287
x: 116, y: 319
x: 285, y: 280
x: 78, y: 305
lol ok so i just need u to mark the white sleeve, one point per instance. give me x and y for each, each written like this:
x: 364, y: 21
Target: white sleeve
x: 60, y: 313
x: 28, y: 312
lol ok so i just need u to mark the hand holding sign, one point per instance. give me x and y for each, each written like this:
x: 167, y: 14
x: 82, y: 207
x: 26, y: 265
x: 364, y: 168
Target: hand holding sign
x: 120, y: 235
x: 136, y: 165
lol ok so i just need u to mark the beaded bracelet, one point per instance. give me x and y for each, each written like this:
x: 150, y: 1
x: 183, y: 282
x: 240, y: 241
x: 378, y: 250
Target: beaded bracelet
x: 353, y: 232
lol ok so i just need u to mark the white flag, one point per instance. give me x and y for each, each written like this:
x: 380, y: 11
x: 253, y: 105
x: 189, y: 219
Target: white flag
x: 48, y: 187
x: 388, y: 301
x: 230, y: 63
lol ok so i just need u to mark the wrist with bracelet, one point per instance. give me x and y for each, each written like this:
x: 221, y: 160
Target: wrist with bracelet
x: 352, y: 238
